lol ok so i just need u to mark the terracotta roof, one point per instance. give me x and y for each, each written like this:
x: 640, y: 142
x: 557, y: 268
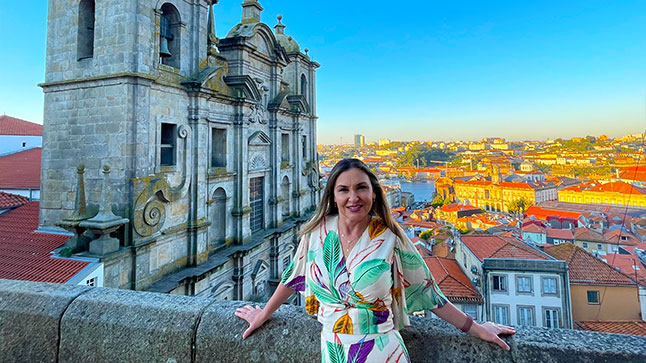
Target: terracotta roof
x: 26, y: 255
x: 621, y: 237
x: 542, y: 213
x: 21, y: 170
x: 486, y: 246
x: 585, y: 268
x: 618, y: 187
x: 516, y: 185
x: 630, y: 327
x: 452, y: 281
x: 454, y: 207
x: 630, y: 265
x: 634, y: 173
x: 8, y: 200
x: 533, y: 228
x: 585, y: 234
x: 559, y: 233
x: 15, y: 126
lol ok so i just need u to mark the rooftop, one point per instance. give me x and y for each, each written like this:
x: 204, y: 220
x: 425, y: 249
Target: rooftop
x: 633, y: 327
x: 21, y: 170
x: 487, y: 246
x: 585, y: 268
x: 26, y: 254
x: 452, y: 281
x: 17, y: 127
x: 8, y: 200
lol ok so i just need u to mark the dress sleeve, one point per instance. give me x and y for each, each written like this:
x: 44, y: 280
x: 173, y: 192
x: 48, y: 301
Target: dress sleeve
x: 414, y: 288
x: 295, y: 275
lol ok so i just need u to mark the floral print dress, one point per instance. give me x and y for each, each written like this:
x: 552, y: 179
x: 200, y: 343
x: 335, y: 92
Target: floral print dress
x: 362, y: 301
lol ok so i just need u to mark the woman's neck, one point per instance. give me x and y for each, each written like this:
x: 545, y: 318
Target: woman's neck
x: 352, y: 229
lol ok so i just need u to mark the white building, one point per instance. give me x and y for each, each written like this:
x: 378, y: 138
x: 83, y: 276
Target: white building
x: 520, y: 285
x: 19, y: 135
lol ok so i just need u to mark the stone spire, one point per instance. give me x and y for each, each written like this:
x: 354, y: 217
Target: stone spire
x: 280, y: 27
x: 212, y: 38
x: 251, y: 10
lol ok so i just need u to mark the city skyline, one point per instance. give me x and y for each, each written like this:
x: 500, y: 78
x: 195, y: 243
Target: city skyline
x: 517, y: 71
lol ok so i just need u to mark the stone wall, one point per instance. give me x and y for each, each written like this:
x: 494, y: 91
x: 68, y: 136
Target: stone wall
x: 42, y: 322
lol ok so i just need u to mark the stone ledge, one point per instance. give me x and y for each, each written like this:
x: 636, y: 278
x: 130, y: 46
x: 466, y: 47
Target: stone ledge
x: 42, y: 322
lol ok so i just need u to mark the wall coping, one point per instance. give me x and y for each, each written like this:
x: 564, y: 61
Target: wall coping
x: 64, y: 323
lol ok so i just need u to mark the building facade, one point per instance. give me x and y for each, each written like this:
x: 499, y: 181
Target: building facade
x: 211, y: 142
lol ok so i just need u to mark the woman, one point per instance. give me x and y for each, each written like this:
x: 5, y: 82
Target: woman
x: 362, y: 275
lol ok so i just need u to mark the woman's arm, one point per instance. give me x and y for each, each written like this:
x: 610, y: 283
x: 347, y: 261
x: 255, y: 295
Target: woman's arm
x: 257, y: 316
x: 488, y: 331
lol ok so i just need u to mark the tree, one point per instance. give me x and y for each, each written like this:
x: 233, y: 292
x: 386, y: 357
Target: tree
x: 519, y: 206
x: 438, y: 201
x: 425, y: 235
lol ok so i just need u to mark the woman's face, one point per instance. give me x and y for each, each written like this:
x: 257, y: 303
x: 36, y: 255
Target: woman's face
x: 353, y: 195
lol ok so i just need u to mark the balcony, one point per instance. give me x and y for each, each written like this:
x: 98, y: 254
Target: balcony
x: 42, y: 322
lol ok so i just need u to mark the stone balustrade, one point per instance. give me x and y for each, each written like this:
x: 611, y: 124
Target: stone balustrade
x: 42, y: 322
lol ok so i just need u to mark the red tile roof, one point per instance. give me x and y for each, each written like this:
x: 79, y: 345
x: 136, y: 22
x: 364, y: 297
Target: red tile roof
x: 560, y: 233
x: 631, y: 327
x: 533, y: 228
x: 542, y: 213
x: 455, y: 207
x: 516, y: 185
x: 634, y: 173
x: 618, y: 187
x: 621, y: 237
x: 21, y: 170
x: 15, y: 126
x: 452, y: 281
x: 8, y: 200
x: 585, y: 234
x: 585, y: 268
x: 630, y: 265
x: 486, y: 246
x: 26, y: 255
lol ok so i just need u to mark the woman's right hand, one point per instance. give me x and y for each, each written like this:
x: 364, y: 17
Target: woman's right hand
x: 255, y: 316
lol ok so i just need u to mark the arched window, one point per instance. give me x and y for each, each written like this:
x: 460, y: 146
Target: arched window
x: 303, y: 85
x: 170, y: 36
x: 284, y: 190
x: 85, y: 37
x: 219, y: 216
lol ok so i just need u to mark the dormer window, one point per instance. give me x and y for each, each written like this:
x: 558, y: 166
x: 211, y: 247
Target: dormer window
x: 170, y: 36
x: 85, y: 36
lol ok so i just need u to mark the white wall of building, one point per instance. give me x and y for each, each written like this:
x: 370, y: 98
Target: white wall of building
x: 513, y: 299
x: 14, y: 143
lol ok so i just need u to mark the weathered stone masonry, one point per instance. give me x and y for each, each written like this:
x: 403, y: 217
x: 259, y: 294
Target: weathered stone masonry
x: 212, y: 150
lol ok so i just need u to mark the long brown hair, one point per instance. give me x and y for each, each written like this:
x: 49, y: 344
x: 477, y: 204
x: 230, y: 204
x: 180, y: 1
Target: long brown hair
x: 328, y: 207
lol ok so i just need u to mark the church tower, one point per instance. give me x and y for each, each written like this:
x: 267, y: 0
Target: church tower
x: 211, y: 142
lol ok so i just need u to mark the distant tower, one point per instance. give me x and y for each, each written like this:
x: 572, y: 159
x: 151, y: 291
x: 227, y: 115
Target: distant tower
x: 195, y: 130
x: 496, y: 176
x: 359, y: 140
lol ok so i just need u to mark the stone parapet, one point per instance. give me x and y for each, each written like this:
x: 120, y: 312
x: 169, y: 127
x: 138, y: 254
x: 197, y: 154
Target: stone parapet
x: 42, y: 322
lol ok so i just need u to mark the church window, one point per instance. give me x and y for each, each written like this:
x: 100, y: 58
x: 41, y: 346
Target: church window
x: 304, y: 147
x: 284, y: 189
x: 284, y: 145
x: 167, y: 144
x: 85, y: 36
x: 220, y: 215
x: 170, y: 36
x: 256, y: 203
x: 304, y: 86
x: 218, y: 148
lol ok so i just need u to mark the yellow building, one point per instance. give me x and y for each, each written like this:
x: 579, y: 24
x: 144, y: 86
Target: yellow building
x: 617, y: 193
x: 496, y: 196
x: 598, y: 291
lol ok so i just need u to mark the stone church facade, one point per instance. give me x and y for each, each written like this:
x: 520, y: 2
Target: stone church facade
x: 211, y: 143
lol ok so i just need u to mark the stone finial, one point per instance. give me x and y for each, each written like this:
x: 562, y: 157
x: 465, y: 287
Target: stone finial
x: 306, y: 51
x: 212, y: 39
x: 105, y: 222
x: 251, y: 10
x: 280, y: 28
x: 80, y: 210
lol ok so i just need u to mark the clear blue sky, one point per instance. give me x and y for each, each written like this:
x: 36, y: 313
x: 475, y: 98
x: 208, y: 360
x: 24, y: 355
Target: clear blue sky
x: 426, y: 70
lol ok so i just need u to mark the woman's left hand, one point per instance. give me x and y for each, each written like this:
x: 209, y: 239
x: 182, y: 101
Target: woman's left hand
x: 489, y: 332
